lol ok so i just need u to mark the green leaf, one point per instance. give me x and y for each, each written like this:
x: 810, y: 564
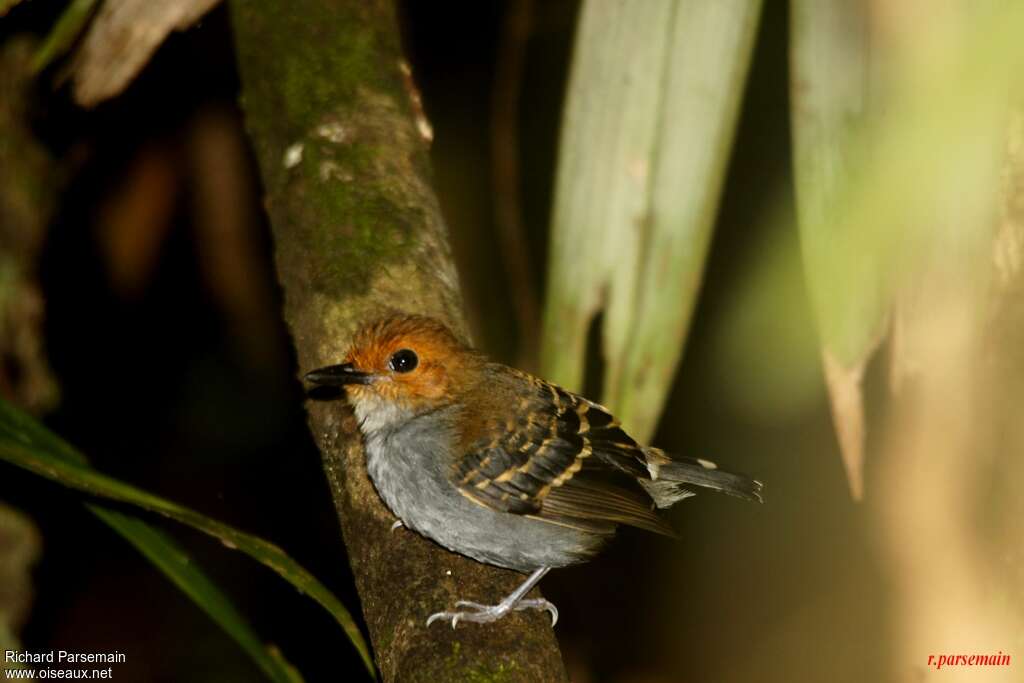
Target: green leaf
x: 896, y: 204
x: 653, y: 100
x: 29, y: 445
x: 168, y: 557
x: 64, y: 33
x: 846, y: 276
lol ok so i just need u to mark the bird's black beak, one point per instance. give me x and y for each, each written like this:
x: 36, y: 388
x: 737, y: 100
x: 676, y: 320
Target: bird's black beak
x: 338, y: 376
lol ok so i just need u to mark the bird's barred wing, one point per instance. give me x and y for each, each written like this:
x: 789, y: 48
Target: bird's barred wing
x: 562, y: 459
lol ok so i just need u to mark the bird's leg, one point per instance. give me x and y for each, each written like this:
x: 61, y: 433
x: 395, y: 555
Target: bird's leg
x: 485, y: 614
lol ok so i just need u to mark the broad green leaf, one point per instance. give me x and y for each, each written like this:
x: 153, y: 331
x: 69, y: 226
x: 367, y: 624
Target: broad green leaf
x: 829, y: 74
x: 846, y: 278
x: 160, y: 549
x: 897, y: 205
x: 653, y: 98
x: 168, y: 557
x: 28, y: 444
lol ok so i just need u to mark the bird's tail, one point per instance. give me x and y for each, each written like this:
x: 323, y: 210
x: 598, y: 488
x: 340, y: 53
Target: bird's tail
x: 672, y: 479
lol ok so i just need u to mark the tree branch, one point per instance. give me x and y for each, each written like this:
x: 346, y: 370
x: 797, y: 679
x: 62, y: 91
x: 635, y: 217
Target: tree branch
x: 357, y: 229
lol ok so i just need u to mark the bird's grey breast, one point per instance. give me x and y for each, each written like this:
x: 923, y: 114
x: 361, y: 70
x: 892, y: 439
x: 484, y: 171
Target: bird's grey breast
x: 411, y: 465
x: 407, y: 464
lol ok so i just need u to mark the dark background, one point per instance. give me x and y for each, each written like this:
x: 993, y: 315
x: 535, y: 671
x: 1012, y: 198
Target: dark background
x: 163, y: 328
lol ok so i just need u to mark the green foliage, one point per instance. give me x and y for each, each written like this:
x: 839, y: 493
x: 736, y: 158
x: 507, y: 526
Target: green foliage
x: 896, y: 156
x: 897, y: 202
x: 829, y: 105
x: 848, y: 276
x: 174, y: 562
x: 29, y: 445
x: 651, y: 110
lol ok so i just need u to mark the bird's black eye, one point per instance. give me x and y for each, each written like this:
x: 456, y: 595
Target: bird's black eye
x: 403, y: 360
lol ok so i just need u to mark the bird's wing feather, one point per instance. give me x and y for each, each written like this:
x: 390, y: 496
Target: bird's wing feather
x: 560, y: 458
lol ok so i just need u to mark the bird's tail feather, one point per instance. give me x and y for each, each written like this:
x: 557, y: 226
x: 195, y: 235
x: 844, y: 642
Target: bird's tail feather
x: 672, y: 479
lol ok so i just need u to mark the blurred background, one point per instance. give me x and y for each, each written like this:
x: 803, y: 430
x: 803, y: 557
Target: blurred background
x: 172, y: 370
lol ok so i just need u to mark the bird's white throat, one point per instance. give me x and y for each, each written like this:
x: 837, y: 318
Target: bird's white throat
x: 375, y: 413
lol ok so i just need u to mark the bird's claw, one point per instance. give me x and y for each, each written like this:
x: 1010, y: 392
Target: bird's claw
x: 540, y: 603
x: 485, y: 614
x: 397, y: 525
x: 453, y: 616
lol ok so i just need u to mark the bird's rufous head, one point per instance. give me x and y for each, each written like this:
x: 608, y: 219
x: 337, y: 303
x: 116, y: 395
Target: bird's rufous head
x: 401, y: 363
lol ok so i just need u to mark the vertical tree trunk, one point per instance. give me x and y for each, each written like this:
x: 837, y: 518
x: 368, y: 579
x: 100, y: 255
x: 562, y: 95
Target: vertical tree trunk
x: 342, y: 146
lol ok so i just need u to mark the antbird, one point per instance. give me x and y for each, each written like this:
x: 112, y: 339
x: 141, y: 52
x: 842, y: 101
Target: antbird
x: 499, y: 465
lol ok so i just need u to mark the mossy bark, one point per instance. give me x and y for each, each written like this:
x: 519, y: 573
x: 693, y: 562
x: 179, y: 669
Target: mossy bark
x: 357, y: 229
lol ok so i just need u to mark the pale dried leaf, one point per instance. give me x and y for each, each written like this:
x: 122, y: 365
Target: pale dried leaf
x: 940, y: 456
x: 846, y: 398
x: 122, y: 38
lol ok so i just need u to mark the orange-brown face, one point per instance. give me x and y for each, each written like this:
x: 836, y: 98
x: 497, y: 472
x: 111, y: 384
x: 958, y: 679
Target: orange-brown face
x: 409, y: 361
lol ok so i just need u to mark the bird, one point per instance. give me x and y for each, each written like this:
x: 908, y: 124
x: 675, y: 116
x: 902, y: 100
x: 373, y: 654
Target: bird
x: 499, y: 465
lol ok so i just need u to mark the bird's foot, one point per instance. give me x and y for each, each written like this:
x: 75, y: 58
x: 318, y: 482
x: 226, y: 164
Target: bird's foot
x: 486, y: 614
x: 397, y: 525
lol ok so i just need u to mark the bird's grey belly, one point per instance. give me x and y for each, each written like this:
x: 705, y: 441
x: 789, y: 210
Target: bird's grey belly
x: 413, y: 481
